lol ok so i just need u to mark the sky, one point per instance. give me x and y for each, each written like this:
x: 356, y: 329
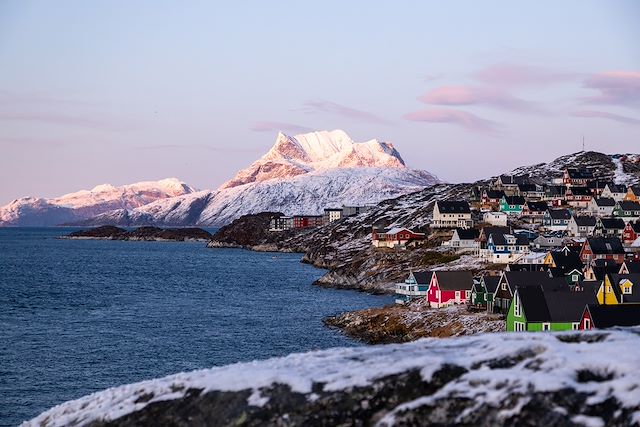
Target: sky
x: 119, y: 91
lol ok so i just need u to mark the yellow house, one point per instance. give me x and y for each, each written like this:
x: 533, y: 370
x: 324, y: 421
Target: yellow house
x: 607, y: 295
x: 633, y: 193
x: 616, y: 290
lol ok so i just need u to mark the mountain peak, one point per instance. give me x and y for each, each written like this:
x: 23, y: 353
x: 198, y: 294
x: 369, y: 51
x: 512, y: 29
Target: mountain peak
x: 321, y: 150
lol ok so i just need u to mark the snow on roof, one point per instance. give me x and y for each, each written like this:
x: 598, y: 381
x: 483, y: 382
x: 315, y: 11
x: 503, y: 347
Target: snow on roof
x: 549, y: 364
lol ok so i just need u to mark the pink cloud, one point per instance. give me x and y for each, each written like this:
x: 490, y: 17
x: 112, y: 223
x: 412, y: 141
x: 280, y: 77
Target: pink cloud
x: 464, y: 119
x: 614, y: 87
x: 511, y: 75
x: 469, y: 95
x: 67, y: 120
x: 279, y: 126
x: 605, y: 115
x: 342, y: 110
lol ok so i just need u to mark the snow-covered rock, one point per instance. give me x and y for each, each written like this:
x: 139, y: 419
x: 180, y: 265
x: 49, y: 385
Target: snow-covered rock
x: 560, y: 379
x: 30, y: 211
x: 299, y: 175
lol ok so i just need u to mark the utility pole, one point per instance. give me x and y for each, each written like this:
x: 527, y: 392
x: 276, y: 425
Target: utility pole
x: 583, y: 143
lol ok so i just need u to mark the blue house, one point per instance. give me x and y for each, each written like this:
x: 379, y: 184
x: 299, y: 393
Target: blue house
x: 414, y: 287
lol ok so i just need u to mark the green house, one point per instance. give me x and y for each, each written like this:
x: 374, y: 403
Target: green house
x: 512, y: 204
x: 483, y: 292
x: 548, y: 307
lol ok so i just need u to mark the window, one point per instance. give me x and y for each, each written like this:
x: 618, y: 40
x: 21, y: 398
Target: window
x: 587, y: 323
x: 504, y: 286
x: 516, y: 307
x: 608, y: 289
x: 574, y: 278
x: 546, y: 327
x: 626, y: 289
x: 575, y: 326
x: 518, y: 326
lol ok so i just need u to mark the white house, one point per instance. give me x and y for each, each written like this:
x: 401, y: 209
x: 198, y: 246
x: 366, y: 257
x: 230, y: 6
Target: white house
x: 614, y: 191
x: 495, y: 218
x: 332, y: 214
x: 464, y: 240
x: 602, y: 206
x: 581, y: 226
x: 452, y: 214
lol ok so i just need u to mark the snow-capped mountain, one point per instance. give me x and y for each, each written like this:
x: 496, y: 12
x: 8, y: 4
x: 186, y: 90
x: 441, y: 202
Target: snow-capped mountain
x: 32, y: 211
x: 300, y: 174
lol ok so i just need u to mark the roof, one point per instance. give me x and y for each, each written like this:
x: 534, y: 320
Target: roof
x: 567, y: 306
x: 422, y: 277
x: 495, y: 194
x: 487, y: 231
x: 617, y: 188
x: 585, y: 221
x: 534, y: 304
x: 635, y: 189
x: 453, y: 206
x: 396, y: 230
x: 605, y: 201
x: 567, y: 261
x: 600, y: 271
x: 513, y: 179
x: 527, y: 267
x: 454, y: 280
x: 537, y: 206
x: 525, y: 278
x: 491, y: 283
x: 607, y: 316
x: 514, y: 200
x: 598, y: 184
x: 527, y: 187
x: 556, y: 190
x: 632, y: 266
x: 612, y: 223
x: 467, y: 234
x: 635, y: 226
x: 634, y: 296
x: 580, y: 191
x: 605, y: 245
x: 628, y: 205
x: 582, y: 173
x: 501, y: 239
x: 559, y: 213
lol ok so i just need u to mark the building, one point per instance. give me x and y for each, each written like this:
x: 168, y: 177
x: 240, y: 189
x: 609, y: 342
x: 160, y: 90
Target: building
x: 490, y: 199
x: 505, y: 248
x: 535, y: 210
x: 627, y: 210
x: 281, y: 223
x: 550, y: 241
x: 614, y: 191
x: 531, y: 191
x: 465, y: 240
x: 307, y: 221
x: 633, y: 193
x: 509, y: 183
x: 512, y: 205
x: 609, y: 227
x: 602, y: 248
x: 631, y: 232
x: 332, y: 215
x: 452, y: 214
x: 578, y: 197
x: 556, y: 219
x: 510, y: 280
x: 577, y: 177
x: 602, y: 206
x: 495, y: 218
x: 619, y: 289
x: 414, y: 287
x: 395, y: 237
x: 597, y: 316
x: 348, y: 211
x: 449, y: 287
x: 581, y: 226
x: 554, y: 194
x: 483, y: 292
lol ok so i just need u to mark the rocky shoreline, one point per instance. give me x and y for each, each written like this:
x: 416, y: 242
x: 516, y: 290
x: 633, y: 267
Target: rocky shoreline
x: 154, y: 234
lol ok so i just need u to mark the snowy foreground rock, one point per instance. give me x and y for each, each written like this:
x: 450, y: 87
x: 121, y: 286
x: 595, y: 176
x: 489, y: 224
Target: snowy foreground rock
x: 493, y: 379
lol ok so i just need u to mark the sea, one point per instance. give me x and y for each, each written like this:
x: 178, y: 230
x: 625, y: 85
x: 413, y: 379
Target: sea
x: 79, y: 316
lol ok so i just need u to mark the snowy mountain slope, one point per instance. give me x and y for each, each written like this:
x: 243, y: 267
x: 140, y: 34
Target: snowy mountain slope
x: 299, y: 175
x: 30, y: 211
x: 580, y: 378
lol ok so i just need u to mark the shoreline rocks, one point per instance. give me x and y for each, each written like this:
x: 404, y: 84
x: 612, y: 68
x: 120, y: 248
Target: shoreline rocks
x: 109, y: 232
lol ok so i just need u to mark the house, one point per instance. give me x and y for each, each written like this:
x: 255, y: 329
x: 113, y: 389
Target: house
x: 597, y: 187
x: 602, y: 206
x: 614, y: 191
x: 332, y: 215
x: 605, y: 248
x: 527, y: 267
x: 395, y: 237
x: 609, y: 227
x: 495, y: 218
x: 348, y: 211
x: 449, y: 287
x: 598, y: 269
x: 556, y: 219
x: 465, y: 240
x: 554, y: 195
x: 597, y: 316
x: 452, y: 214
x: 531, y: 191
x: 630, y: 267
x: 508, y: 282
x: 512, y: 205
x: 486, y: 231
x: 535, y: 210
x: 581, y: 226
x: 548, y: 242
x: 307, y: 221
x: 490, y: 199
x: 577, y: 177
x: 281, y: 223
x: 565, y: 263
x: 633, y: 193
x: 505, y: 248
x: 547, y: 308
x: 483, y: 291
x: 532, y: 258
x: 627, y: 210
x: 578, y: 197
x: 631, y: 232
x: 509, y: 183
x: 619, y: 289
x: 414, y: 287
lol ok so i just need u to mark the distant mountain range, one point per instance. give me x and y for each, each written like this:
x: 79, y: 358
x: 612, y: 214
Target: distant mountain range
x: 299, y: 174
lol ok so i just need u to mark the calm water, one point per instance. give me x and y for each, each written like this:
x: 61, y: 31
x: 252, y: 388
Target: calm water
x: 80, y: 316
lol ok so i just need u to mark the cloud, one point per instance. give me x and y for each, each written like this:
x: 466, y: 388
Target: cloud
x: 464, y: 119
x: 157, y: 147
x: 66, y: 120
x: 469, y: 95
x: 606, y: 115
x: 279, y: 126
x: 344, y: 111
x: 614, y: 87
x: 511, y: 75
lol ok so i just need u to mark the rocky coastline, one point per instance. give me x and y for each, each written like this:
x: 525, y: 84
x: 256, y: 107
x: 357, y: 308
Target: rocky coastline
x: 155, y: 234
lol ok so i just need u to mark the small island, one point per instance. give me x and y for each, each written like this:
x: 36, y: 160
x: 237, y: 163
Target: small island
x: 109, y: 232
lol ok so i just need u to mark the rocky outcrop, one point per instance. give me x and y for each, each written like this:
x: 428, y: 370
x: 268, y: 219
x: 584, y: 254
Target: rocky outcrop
x: 508, y: 379
x: 109, y: 232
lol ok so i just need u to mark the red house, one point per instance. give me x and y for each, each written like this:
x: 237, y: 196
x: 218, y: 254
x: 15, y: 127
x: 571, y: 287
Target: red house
x: 449, y: 287
x: 608, y: 248
x: 396, y: 237
x: 307, y: 221
x: 631, y: 232
x: 608, y: 316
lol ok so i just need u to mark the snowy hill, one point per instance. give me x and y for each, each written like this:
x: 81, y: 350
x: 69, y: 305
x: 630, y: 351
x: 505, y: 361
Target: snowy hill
x: 505, y: 379
x: 299, y: 175
x: 31, y: 211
